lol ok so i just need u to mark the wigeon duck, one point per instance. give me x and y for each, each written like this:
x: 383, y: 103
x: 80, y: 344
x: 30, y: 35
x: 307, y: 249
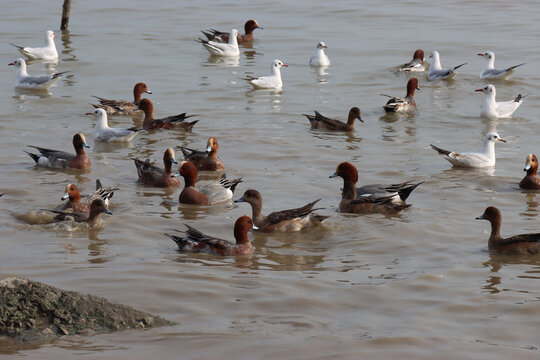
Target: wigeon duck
x: 152, y: 175
x: 494, y: 110
x: 195, y: 241
x: 319, y: 121
x: 399, y: 192
x: 124, y: 107
x: 403, y: 104
x: 417, y: 64
x: 25, y: 81
x: 62, y: 159
x: 489, y: 71
x: 485, y: 158
x: 47, y: 52
x: 207, y: 160
x: 229, y: 48
x: 103, y: 132
x: 220, y: 36
x: 285, y: 220
x: 319, y: 58
x: 530, y: 181
x: 518, y: 244
x: 170, y: 122
x: 436, y: 72
x: 75, y: 203
x: 351, y: 203
x: 91, y: 217
x: 207, y: 193
x: 272, y: 81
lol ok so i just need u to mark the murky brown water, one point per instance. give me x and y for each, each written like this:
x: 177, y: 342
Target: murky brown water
x: 410, y: 286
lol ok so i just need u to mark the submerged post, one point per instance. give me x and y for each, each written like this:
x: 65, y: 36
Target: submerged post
x: 66, y: 8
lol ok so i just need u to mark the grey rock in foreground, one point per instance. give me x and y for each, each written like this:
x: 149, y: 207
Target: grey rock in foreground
x: 31, y: 311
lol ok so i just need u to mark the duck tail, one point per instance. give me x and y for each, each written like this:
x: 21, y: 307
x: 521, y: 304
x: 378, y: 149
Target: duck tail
x: 406, y: 191
x: 35, y: 157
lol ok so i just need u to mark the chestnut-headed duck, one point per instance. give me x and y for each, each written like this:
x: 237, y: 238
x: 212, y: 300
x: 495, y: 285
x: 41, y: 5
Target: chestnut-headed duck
x: 25, y: 81
x: 195, y: 241
x: 417, y: 64
x: 489, y: 71
x: 485, y: 158
x: 285, y: 220
x: 518, y: 244
x: 102, y: 131
x: 152, y: 175
x: 399, y: 192
x: 319, y: 121
x: 47, y: 52
x: 351, y: 203
x: 403, y: 104
x: 207, y: 160
x: 220, y: 36
x: 207, y: 193
x: 62, y: 159
x: 272, y: 81
x: 75, y: 203
x: 91, y: 217
x: 320, y: 58
x: 123, y: 107
x: 170, y: 122
x: 436, y: 72
x: 227, y: 49
x: 531, y: 181
x: 492, y: 109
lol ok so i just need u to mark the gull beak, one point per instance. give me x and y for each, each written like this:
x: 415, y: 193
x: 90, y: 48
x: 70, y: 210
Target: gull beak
x: 66, y: 195
x: 88, y: 113
x: 501, y: 140
x: 480, y: 90
x: 480, y: 54
x: 285, y: 65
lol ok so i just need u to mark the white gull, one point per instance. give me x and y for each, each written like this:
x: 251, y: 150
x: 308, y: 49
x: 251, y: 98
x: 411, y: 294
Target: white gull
x: 493, y: 109
x: 47, y: 52
x: 436, y: 72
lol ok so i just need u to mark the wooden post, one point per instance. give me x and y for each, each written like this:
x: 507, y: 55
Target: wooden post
x: 66, y: 8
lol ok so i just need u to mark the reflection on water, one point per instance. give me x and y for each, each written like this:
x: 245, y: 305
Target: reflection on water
x: 221, y: 61
x: 68, y: 50
x: 532, y: 205
x: 22, y: 95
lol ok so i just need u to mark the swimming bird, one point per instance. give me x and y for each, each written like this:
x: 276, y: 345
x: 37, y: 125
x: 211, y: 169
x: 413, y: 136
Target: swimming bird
x: 223, y: 49
x: 272, y: 81
x: 25, y: 81
x: 485, y: 158
x: 170, y: 122
x: 62, y: 159
x: 47, y: 52
x: 403, y: 104
x: 220, y: 36
x: 495, y: 110
x: 102, y: 131
x: 91, y: 217
x: 489, y: 71
x: 320, y: 58
x: 531, y: 181
x: 152, y: 175
x: 195, y: 241
x: 417, y: 64
x: 319, y: 121
x: 206, y: 160
x: 436, y: 72
x: 518, y: 244
x: 124, y: 107
x: 72, y: 193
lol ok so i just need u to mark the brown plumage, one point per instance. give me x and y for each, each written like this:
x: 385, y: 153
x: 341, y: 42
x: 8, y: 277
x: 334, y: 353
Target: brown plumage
x: 207, y: 160
x: 123, y: 107
x: 96, y: 208
x: 319, y: 121
x: 220, y: 36
x: 73, y: 196
x: 152, y: 175
x: 531, y: 181
x: 407, y: 103
x: 170, y: 122
x: 190, y: 195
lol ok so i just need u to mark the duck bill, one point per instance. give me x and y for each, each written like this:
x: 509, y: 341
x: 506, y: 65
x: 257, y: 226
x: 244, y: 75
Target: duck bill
x: 360, y: 119
x: 527, y: 167
x: 148, y: 92
x: 241, y: 200
x: 176, y: 174
x: 173, y: 160
x: 65, y: 196
x: 107, y: 211
x: 481, y: 217
x: 333, y: 175
x: 254, y: 227
x: 208, y: 150
x: 86, y: 145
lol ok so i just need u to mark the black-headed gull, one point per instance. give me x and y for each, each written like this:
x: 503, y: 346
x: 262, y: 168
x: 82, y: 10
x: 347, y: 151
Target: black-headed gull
x: 403, y: 104
x: 223, y: 49
x: 25, y: 81
x: 123, y: 107
x: 417, y: 64
x: 272, y: 81
x: 485, y: 158
x: 103, y: 132
x: 220, y: 36
x: 320, y: 58
x: 436, y: 72
x: 495, y: 110
x: 47, y: 52
x: 489, y: 71
x: 319, y: 121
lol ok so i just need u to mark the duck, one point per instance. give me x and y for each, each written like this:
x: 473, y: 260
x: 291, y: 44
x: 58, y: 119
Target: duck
x: 228, y: 49
x: 170, y: 122
x: 207, y: 160
x: 124, y: 107
x: 72, y: 193
x: 62, y: 159
x: 489, y: 71
x: 47, y: 52
x: 436, y: 72
x: 531, y: 181
x: 403, y: 104
x: 207, y: 193
x: 197, y: 242
x: 417, y: 64
x: 91, y: 217
x: 484, y: 158
x: 104, y: 133
x: 25, y: 81
x: 492, y: 109
x: 398, y: 192
x: 320, y: 58
x: 152, y: 175
x: 352, y: 203
x: 280, y: 221
x: 272, y: 81
x: 319, y: 121
x: 518, y: 244
x: 220, y: 36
